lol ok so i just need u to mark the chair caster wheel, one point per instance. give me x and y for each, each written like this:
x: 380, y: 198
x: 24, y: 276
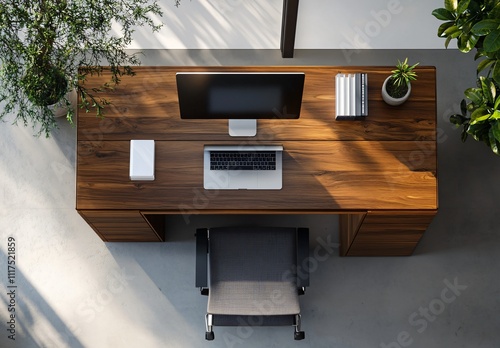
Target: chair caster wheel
x: 299, y: 335
x: 209, y: 336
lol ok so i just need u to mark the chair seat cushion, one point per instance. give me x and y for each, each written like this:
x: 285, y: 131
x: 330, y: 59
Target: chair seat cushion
x: 252, y: 271
x: 253, y: 298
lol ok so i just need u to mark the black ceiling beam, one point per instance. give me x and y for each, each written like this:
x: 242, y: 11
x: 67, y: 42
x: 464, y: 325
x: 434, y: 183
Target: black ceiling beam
x: 288, y: 27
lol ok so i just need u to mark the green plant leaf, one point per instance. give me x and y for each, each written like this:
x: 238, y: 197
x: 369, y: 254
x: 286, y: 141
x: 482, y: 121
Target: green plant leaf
x: 479, y: 131
x: 479, y: 54
x: 451, y: 5
x: 496, y: 72
x: 457, y: 119
x: 475, y: 7
x: 496, y: 130
x: 473, y: 39
x: 462, y: 6
x: 485, y: 26
x: 443, y: 14
x: 479, y: 113
x: 464, y: 135
x: 493, y: 89
x: 488, y: 88
x: 495, y: 115
x: 495, y: 11
x: 463, y: 107
x: 492, y: 41
x: 493, y: 141
x: 447, y: 42
x: 474, y: 95
x: 452, y: 31
x: 480, y: 119
x: 443, y: 27
x: 484, y: 64
x: 464, y: 26
x: 466, y: 42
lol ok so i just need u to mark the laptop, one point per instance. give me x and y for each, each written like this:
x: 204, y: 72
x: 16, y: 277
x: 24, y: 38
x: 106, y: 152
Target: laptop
x: 247, y: 167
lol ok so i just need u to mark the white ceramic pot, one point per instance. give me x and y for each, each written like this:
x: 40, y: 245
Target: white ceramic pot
x: 394, y: 101
x: 60, y: 109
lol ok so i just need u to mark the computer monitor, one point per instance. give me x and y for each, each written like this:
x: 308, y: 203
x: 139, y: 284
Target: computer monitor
x: 240, y: 97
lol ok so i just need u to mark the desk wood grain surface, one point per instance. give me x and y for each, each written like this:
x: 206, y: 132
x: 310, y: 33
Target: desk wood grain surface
x: 386, y: 162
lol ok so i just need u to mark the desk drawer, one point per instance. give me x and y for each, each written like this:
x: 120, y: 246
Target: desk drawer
x: 121, y: 226
x: 389, y: 233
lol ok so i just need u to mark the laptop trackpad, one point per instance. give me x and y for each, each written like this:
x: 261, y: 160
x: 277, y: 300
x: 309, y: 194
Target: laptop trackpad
x: 242, y: 179
x: 270, y: 180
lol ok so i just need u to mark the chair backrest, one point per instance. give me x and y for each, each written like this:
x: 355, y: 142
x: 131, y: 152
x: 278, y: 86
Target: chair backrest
x: 250, y: 253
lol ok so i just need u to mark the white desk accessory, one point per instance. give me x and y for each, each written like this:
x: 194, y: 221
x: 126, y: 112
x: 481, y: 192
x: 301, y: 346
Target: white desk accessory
x: 142, y: 160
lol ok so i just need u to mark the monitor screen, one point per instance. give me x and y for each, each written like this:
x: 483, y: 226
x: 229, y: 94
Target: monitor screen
x: 218, y: 95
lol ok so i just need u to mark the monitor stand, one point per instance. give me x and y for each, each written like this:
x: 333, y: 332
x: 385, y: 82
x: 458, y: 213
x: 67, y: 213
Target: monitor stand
x: 242, y: 128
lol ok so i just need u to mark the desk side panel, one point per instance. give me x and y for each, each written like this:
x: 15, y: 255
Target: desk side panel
x: 348, y: 229
x: 121, y: 226
x: 390, y: 233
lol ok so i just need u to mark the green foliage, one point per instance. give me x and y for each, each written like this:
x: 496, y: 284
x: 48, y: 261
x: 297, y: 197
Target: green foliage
x: 483, y: 124
x: 47, y: 47
x: 475, y: 24
x: 44, y: 85
x: 397, y: 85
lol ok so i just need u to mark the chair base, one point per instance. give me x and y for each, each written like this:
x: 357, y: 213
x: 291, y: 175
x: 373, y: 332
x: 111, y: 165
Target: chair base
x: 299, y: 335
x: 209, y: 336
x: 210, y: 320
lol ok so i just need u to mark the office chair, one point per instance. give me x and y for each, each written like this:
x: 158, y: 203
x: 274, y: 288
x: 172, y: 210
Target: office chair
x: 252, y: 275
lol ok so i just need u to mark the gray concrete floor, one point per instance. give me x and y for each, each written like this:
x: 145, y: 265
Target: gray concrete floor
x: 73, y: 290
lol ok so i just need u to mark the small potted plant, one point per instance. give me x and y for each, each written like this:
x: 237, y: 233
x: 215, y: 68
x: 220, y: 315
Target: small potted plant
x: 397, y: 87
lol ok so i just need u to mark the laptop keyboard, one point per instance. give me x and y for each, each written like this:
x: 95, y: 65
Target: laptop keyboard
x: 242, y: 160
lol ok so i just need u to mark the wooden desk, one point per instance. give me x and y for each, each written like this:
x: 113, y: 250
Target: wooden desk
x: 380, y: 174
